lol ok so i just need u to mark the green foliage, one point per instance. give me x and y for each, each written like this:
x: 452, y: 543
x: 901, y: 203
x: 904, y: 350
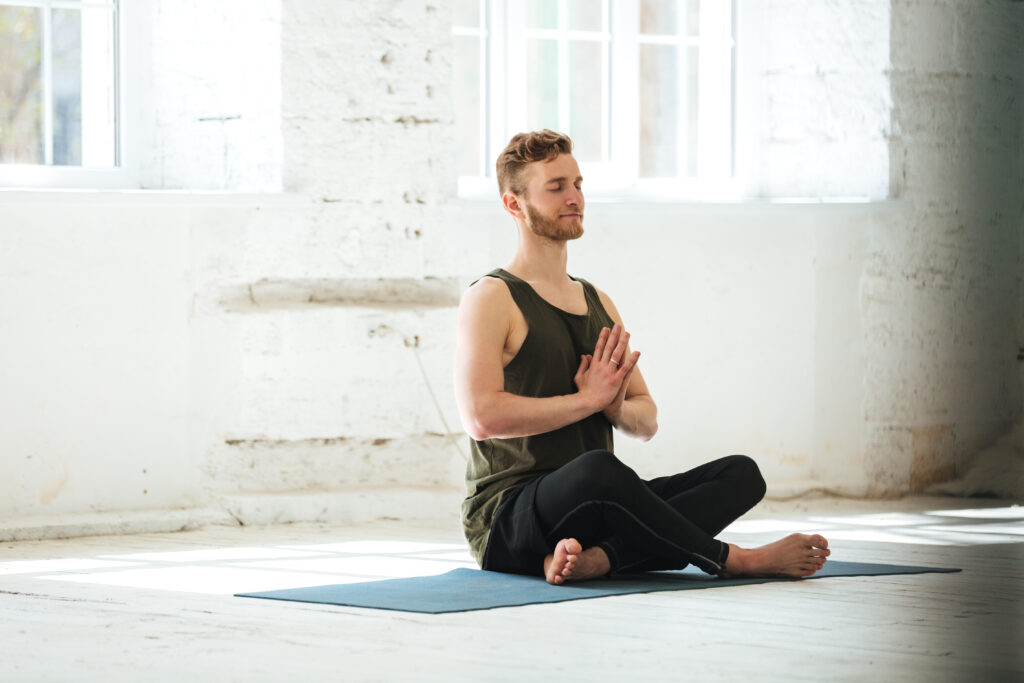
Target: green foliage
x: 21, y: 92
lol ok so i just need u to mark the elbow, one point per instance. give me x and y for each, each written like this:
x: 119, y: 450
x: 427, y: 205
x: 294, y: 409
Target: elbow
x: 479, y: 427
x: 479, y: 419
x: 477, y: 432
x: 652, y: 429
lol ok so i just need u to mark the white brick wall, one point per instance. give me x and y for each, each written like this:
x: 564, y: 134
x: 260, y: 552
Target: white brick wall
x: 366, y: 123
x: 941, y: 289
x: 211, y: 95
x: 820, y: 73
x: 867, y: 348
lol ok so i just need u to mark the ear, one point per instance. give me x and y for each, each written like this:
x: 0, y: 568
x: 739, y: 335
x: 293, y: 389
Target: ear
x: 513, y: 204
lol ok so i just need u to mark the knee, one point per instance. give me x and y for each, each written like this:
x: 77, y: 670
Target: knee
x: 744, y: 469
x: 601, y: 472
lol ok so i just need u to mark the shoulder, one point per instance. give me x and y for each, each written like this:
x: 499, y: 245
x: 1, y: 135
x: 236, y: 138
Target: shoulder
x: 606, y: 301
x: 488, y: 290
x: 486, y: 300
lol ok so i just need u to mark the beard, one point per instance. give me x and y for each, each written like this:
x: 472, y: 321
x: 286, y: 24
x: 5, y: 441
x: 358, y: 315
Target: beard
x: 553, y: 228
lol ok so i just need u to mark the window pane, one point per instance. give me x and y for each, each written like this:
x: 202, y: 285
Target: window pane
x: 542, y: 14
x: 466, y: 13
x: 467, y: 104
x: 658, y: 16
x: 21, y: 86
x: 693, y: 17
x: 84, y: 118
x: 542, y: 75
x: 659, y: 110
x: 586, y: 95
x: 67, y: 87
x: 693, y: 109
x: 586, y: 15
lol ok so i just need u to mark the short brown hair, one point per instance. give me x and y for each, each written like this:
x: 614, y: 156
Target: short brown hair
x: 526, y: 148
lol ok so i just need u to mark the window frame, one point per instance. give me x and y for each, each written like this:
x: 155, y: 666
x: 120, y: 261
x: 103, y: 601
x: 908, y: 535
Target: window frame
x: 501, y: 32
x: 124, y: 174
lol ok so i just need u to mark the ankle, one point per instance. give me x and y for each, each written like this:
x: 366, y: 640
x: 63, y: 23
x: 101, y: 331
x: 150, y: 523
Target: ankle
x: 738, y: 560
x: 598, y: 560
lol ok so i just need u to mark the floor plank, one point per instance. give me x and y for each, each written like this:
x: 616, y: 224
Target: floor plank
x: 107, y: 608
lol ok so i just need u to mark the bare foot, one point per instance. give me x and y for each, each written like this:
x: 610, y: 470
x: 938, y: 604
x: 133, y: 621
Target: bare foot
x: 793, y: 556
x: 570, y: 562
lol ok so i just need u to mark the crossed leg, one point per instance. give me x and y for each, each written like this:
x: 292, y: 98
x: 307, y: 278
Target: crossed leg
x: 601, y: 517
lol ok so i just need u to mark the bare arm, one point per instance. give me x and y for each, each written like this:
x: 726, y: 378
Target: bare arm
x: 487, y: 410
x: 633, y: 411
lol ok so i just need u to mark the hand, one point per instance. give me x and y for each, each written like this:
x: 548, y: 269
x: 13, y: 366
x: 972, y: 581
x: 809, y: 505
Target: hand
x: 614, y: 409
x: 604, y: 377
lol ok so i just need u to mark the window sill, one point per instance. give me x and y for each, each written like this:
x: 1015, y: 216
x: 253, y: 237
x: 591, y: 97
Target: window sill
x: 612, y: 203
x: 93, y: 197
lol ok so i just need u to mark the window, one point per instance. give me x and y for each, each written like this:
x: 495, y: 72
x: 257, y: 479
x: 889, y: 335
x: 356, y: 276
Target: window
x: 644, y: 87
x: 59, y: 90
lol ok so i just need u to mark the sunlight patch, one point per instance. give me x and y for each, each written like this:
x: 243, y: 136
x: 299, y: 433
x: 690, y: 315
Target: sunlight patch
x: 882, y: 519
x: 461, y: 556
x: 68, y: 565
x: 1012, y: 529
x: 876, y: 536
x: 759, y: 526
x: 209, y: 580
x: 1012, y: 512
x: 379, y: 547
x: 214, y: 555
x: 377, y: 567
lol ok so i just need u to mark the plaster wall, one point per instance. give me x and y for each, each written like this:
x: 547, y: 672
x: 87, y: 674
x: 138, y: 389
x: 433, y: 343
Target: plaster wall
x: 94, y: 374
x: 813, y: 106
x: 748, y: 320
x: 267, y: 355
x: 941, y: 288
x: 206, y: 94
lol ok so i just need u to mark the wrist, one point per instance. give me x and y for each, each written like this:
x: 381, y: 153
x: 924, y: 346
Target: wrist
x: 590, y: 404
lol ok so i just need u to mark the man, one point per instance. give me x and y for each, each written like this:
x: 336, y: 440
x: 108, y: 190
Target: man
x: 543, y: 373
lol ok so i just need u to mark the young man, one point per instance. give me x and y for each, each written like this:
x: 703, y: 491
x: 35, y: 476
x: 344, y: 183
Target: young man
x: 543, y: 372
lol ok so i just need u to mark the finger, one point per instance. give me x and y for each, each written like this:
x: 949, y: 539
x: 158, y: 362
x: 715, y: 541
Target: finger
x: 602, y: 340
x: 610, y: 344
x: 618, y: 354
x: 631, y: 362
x: 582, y: 369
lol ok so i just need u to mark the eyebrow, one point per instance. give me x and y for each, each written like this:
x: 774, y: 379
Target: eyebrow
x: 561, y: 179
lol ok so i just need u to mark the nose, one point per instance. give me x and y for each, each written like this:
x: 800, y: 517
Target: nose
x: 575, y: 197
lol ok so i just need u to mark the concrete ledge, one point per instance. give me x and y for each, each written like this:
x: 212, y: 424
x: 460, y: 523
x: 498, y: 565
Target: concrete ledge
x: 354, y: 506
x: 135, y: 197
x: 108, y: 523
x: 248, y: 509
x: 791, y: 489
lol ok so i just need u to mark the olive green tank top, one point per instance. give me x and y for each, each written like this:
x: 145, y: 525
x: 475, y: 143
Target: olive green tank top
x: 544, y: 366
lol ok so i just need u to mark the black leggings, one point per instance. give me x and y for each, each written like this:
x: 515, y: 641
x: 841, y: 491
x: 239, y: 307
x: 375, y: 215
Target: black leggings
x: 663, y: 523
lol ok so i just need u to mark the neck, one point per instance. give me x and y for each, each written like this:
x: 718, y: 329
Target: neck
x: 539, y: 258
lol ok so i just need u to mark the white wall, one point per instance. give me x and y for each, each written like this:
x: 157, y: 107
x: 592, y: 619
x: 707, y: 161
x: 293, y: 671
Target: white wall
x: 94, y: 374
x: 942, y: 306
x: 277, y: 356
x: 748, y: 320
x: 813, y: 104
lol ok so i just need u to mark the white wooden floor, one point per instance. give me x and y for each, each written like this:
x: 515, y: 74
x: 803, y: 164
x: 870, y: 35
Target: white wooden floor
x: 159, y: 607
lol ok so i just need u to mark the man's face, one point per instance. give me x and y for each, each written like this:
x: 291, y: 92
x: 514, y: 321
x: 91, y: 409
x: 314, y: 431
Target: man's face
x: 553, y: 202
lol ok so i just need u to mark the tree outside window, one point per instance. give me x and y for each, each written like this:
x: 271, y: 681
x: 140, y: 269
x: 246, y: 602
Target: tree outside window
x: 58, y: 83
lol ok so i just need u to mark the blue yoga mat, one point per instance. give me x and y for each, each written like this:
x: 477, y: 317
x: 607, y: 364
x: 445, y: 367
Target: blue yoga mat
x: 462, y: 590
